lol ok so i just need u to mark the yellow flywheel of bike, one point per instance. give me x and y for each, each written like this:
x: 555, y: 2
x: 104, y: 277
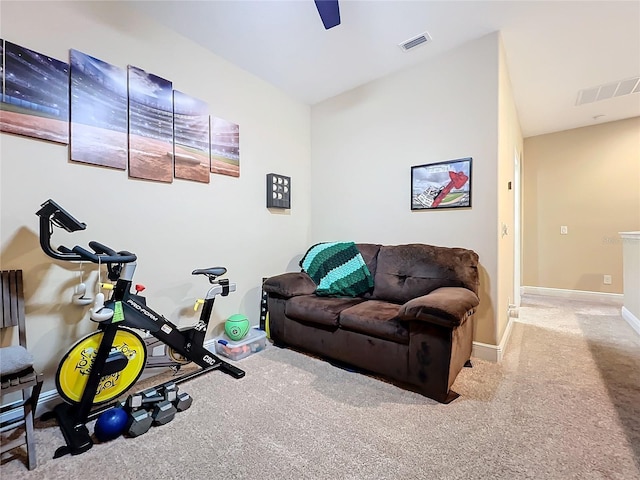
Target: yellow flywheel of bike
x: 74, y: 368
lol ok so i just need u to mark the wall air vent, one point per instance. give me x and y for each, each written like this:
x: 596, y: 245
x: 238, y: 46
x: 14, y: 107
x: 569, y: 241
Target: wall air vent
x: 415, y: 41
x: 610, y: 90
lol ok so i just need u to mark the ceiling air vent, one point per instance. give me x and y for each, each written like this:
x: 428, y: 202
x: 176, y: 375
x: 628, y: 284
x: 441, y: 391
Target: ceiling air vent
x: 415, y: 41
x: 610, y: 90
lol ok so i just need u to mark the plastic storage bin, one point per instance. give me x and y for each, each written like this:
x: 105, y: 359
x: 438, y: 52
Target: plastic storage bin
x: 254, y: 341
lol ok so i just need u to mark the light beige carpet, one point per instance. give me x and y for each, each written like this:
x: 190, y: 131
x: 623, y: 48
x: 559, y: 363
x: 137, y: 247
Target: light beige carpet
x: 563, y: 404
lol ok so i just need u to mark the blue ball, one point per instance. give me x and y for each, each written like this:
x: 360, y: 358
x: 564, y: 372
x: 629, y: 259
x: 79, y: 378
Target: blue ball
x: 111, y: 424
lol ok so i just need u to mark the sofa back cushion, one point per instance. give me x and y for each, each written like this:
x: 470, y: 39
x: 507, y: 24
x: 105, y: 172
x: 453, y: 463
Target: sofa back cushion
x: 404, y: 272
x: 369, y: 252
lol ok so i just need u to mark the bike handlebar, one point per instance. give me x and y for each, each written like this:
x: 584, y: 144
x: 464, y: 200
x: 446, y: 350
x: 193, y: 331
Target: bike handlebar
x: 100, y: 248
x: 99, y: 257
x: 51, y: 214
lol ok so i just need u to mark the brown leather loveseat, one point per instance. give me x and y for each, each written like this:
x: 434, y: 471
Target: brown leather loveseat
x: 414, y: 327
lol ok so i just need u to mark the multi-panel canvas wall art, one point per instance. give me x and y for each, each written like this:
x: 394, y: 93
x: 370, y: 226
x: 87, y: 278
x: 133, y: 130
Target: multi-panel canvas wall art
x: 98, y: 112
x: 35, y: 94
x: 114, y: 117
x: 150, y: 126
x: 225, y: 147
x: 191, y: 138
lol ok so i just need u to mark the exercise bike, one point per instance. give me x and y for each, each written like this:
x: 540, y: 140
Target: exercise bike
x: 102, y: 366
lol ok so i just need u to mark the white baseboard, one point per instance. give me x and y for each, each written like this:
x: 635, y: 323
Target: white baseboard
x: 493, y: 353
x: 46, y: 402
x: 599, y: 297
x: 487, y: 352
x: 631, y: 319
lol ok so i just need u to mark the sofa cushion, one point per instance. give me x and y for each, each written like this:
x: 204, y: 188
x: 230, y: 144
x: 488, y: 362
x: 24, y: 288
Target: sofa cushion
x: 377, y: 319
x: 289, y: 284
x: 319, y: 310
x: 408, y: 271
x: 446, y: 306
x: 369, y: 252
x: 14, y: 359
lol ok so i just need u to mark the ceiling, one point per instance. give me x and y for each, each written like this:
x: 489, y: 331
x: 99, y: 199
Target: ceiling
x: 554, y: 48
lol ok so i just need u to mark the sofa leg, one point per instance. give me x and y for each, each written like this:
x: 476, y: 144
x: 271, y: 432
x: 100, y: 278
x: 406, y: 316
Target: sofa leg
x: 446, y: 398
x: 468, y: 364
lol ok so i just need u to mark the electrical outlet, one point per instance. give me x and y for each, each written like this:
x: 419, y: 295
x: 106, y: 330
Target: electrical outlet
x: 564, y: 230
x: 607, y: 280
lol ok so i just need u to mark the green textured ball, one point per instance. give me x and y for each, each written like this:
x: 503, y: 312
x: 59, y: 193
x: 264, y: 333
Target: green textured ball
x: 236, y: 327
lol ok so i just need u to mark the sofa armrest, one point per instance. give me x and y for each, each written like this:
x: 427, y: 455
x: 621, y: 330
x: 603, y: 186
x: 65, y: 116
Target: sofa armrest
x: 290, y: 284
x: 446, y: 306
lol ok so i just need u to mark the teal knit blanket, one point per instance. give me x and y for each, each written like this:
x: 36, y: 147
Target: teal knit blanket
x: 338, y: 269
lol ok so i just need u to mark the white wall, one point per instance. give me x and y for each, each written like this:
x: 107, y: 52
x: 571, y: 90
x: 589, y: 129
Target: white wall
x: 365, y: 141
x: 173, y: 228
x: 631, y: 272
x: 509, y: 145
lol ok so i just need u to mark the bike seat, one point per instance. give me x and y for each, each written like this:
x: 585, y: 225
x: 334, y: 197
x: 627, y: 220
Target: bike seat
x: 210, y: 272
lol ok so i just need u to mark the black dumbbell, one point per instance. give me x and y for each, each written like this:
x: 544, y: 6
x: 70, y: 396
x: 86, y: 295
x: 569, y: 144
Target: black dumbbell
x: 182, y: 401
x: 157, y: 406
x: 169, y: 391
x: 163, y: 412
x: 147, y: 397
x: 158, y: 402
x: 139, y: 422
x: 140, y: 419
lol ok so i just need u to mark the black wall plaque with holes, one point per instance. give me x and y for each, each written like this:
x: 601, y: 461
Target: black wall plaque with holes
x: 278, y: 191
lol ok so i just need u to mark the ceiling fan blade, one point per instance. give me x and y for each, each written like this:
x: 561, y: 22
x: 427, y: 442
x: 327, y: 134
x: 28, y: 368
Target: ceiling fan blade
x: 329, y: 11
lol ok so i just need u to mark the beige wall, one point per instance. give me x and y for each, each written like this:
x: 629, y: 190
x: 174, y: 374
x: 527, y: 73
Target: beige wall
x: 173, y: 228
x: 365, y: 141
x: 509, y: 147
x: 589, y: 180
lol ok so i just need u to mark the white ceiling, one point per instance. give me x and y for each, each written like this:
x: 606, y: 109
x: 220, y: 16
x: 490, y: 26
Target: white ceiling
x: 554, y: 48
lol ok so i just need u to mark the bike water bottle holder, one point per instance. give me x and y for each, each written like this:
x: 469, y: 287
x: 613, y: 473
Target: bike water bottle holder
x: 99, y: 313
x: 78, y: 297
x: 103, y: 315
